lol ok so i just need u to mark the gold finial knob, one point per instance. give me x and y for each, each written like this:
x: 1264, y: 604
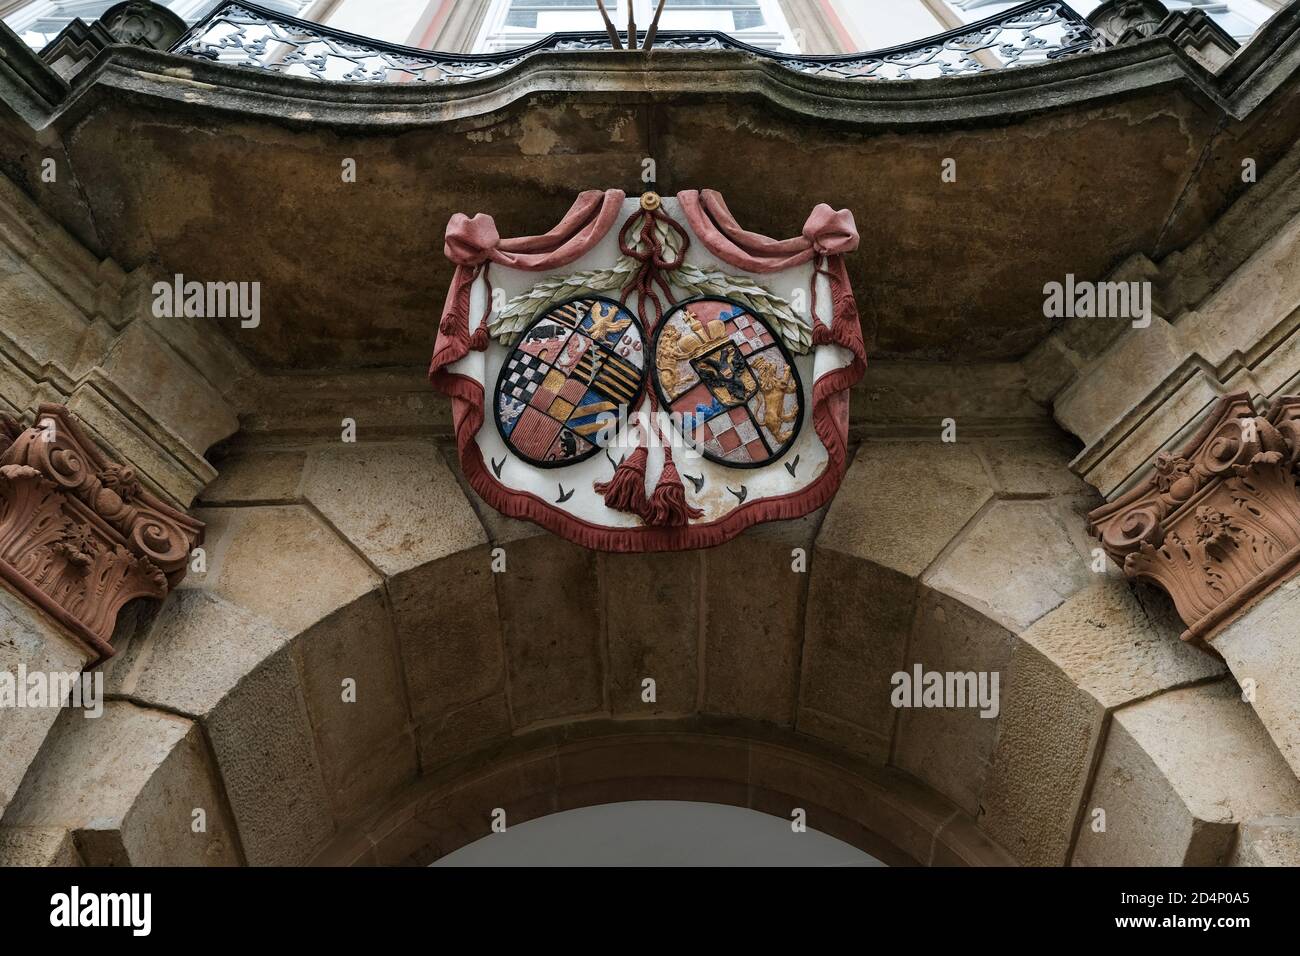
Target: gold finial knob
x: 650, y: 201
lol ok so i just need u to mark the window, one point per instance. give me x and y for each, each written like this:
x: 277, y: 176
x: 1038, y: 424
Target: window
x: 510, y: 24
x: 1240, y: 18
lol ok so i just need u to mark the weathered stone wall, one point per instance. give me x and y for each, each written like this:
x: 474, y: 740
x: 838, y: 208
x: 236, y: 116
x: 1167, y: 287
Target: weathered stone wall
x: 230, y: 736
x: 80, y: 332
x: 1226, y: 319
x: 476, y: 690
x: 29, y: 642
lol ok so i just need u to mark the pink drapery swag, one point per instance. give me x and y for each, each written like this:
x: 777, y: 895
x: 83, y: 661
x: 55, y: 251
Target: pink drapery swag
x: 666, y: 521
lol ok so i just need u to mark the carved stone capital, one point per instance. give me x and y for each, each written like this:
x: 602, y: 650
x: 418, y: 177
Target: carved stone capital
x: 79, y: 536
x: 1218, y: 525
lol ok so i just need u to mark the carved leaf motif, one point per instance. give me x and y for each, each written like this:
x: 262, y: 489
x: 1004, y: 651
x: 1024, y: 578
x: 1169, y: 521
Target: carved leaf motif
x: 78, y: 533
x: 1219, y: 523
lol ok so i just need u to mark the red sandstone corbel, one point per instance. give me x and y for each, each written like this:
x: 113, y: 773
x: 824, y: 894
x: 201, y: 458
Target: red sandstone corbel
x: 79, y: 536
x: 1217, y: 526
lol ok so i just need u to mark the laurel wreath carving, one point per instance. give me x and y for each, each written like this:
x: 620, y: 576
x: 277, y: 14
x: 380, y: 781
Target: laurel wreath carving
x: 519, y: 311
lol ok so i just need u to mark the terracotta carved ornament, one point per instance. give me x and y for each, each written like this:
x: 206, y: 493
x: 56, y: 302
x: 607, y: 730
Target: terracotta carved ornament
x: 79, y: 537
x: 1217, y: 526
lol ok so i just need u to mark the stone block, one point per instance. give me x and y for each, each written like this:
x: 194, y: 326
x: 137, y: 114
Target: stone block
x: 197, y: 650
x: 1279, y: 367
x: 362, y: 731
x: 168, y: 388
x: 29, y: 640
x: 653, y: 610
x: 449, y: 632
x: 858, y: 620
x: 1048, y: 369
x: 1107, y: 645
x: 283, y: 563
x: 1032, y: 468
x: 32, y: 846
x: 753, y: 615
x: 1121, y: 378
x: 1262, y: 646
x: 1047, y: 734
x: 127, y: 785
x: 1270, y: 841
x: 551, y: 619
x: 399, y: 505
x: 1113, y: 469
x: 177, y: 471
x: 1179, y: 773
x: 1260, y: 294
x: 951, y: 748
x: 1016, y: 562
x: 271, y: 477
x: 900, y: 504
x: 267, y: 757
x: 462, y: 731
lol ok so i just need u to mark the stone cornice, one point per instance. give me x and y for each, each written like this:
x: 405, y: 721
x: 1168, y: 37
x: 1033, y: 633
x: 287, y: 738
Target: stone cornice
x: 28, y: 85
x: 1259, y: 69
x: 1217, y: 526
x: 79, y: 536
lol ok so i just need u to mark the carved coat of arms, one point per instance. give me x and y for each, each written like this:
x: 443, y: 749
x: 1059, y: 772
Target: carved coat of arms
x: 649, y: 375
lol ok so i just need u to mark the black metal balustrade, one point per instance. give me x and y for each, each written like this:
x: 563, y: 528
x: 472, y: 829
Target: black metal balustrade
x: 247, y: 35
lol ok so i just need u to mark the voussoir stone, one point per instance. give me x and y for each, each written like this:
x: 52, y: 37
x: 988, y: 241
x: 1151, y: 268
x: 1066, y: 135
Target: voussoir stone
x: 551, y: 620
x: 1269, y: 841
x: 1017, y: 562
x: 1101, y: 649
x: 357, y: 705
x: 1179, y: 773
x: 199, y: 647
x: 859, y: 616
x: 900, y: 504
x: 654, y: 623
x: 37, y: 846
x: 281, y: 562
x: 449, y: 631
x: 951, y: 748
x: 266, y: 753
x: 753, y: 608
x: 399, y: 504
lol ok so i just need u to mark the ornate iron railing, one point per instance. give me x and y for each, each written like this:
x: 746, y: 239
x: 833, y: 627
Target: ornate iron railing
x: 244, y: 34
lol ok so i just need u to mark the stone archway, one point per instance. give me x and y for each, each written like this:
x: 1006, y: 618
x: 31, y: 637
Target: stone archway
x: 522, y: 690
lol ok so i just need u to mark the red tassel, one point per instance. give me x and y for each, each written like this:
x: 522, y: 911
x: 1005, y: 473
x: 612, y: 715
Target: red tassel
x: 668, y: 505
x: 626, y: 490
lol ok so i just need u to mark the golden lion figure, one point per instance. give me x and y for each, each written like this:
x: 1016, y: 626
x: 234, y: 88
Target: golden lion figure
x: 774, y: 387
x: 670, y: 353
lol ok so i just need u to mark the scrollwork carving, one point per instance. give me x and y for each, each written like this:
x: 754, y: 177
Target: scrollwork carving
x: 1217, y: 526
x: 79, y: 535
